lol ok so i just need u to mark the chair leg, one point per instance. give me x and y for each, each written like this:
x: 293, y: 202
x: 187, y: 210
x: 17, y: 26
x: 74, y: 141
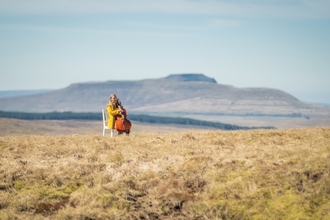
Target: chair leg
x: 103, y: 132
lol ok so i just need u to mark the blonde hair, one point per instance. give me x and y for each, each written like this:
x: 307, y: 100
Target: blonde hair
x: 112, y: 95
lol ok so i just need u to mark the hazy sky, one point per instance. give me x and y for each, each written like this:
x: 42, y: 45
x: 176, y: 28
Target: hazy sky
x: 282, y: 44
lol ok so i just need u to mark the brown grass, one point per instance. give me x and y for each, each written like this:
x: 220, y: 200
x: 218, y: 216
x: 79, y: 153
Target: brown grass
x: 196, y: 174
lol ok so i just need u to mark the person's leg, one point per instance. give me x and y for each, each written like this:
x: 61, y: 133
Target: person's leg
x: 112, y: 132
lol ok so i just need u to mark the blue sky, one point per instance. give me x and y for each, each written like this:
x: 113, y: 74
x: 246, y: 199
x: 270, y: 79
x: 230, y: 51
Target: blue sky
x: 282, y: 44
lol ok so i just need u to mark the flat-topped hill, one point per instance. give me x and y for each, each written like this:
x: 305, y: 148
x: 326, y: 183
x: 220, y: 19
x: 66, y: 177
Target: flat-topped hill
x: 178, y: 93
x: 190, y: 77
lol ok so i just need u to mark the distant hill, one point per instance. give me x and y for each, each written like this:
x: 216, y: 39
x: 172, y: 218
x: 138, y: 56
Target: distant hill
x: 178, y: 93
x: 16, y: 93
x: 190, y: 77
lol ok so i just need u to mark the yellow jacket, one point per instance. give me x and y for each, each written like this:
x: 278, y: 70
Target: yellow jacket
x: 112, y: 112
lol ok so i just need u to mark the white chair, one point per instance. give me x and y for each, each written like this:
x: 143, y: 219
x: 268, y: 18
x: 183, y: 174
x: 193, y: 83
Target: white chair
x: 105, y: 121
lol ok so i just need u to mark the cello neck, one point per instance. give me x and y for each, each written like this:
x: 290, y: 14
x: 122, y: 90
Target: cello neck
x: 119, y: 104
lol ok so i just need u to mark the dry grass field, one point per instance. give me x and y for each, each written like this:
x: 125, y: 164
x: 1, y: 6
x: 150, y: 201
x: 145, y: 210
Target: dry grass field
x: 189, y: 174
x: 16, y: 127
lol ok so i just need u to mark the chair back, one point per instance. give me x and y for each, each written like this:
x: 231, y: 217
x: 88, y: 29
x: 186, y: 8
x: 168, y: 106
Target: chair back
x: 105, y: 117
x: 105, y: 120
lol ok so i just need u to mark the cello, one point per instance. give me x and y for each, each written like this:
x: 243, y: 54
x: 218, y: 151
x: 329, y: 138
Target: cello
x: 122, y: 124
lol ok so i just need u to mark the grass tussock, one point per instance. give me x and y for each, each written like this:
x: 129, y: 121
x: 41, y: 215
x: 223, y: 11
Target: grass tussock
x: 257, y: 174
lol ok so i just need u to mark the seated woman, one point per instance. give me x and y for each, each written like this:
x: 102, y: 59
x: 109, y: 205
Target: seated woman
x: 117, y: 114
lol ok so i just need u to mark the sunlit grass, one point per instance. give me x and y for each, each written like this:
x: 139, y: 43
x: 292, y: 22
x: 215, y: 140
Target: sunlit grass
x: 257, y: 174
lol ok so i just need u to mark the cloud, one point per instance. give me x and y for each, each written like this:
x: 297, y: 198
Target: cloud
x: 295, y: 9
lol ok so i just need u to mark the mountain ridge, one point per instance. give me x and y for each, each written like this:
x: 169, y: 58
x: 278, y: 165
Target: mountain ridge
x: 197, y: 77
x: 176, y: 93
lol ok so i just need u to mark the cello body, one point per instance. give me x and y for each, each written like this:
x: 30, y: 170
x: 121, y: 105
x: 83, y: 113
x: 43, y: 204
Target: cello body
x: 122, y: 124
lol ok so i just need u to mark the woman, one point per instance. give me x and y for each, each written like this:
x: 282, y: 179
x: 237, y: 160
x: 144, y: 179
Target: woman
x: 114, y: 108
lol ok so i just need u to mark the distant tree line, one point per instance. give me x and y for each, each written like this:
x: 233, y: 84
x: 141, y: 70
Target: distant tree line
x: 138, y: 118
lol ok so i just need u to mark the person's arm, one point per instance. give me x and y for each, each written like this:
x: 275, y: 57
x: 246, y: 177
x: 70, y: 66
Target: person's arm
x: 112, y: 111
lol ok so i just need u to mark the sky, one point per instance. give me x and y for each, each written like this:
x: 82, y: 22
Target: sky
x: 280, y: 44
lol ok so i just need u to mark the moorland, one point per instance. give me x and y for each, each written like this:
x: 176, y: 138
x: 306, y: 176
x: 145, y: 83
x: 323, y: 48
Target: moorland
x: 178, y: 174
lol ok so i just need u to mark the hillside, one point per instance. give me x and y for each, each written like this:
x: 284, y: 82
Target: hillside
x: 16, y: 127
x: 135, y: 118
x: 16, y: 93
x: 256, y: 174
x: 180, y: 93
